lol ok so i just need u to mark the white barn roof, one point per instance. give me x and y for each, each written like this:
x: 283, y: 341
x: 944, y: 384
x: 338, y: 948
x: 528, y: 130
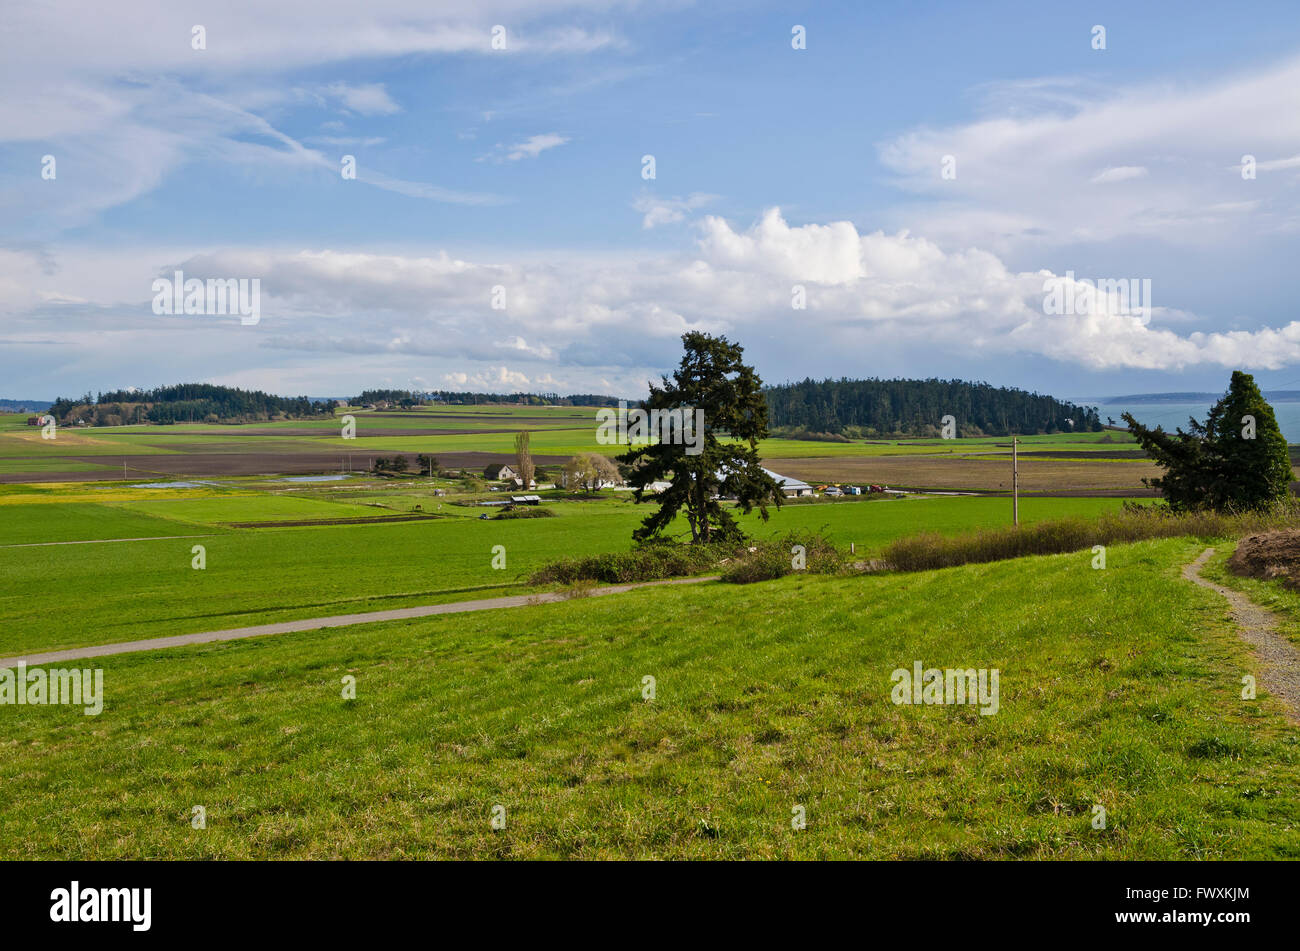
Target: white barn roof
x: 786, y: 482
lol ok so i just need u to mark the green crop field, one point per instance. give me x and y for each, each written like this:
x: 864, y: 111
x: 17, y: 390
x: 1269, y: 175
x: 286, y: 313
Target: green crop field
x: 263, y: 507
x: 78, y: 521
x: 1118, y: 689
x: 263, y: 575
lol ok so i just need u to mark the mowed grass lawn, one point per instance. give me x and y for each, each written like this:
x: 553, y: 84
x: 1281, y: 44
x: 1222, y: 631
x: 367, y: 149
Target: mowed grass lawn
x: 1118, y: 688
x: 77, y: 595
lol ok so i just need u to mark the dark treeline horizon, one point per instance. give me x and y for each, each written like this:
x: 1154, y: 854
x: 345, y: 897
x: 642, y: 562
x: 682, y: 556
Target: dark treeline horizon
x: 182, y: 402
x: 842, y: 408
x: 876, y: 407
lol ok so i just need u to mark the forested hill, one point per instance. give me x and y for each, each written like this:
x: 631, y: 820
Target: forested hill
x: 183, y: 403
x: 409, y: 398
x: 916, y: 408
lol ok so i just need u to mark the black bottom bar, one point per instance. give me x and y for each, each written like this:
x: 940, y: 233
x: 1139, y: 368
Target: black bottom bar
x: 925, y: 901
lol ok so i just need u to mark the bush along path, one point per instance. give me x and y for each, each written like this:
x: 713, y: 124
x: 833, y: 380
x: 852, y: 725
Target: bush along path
x: 1279, y: 661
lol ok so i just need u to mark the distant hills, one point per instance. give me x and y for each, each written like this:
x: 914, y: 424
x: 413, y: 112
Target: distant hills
x: 843, y: 409
x: 436, y: 397
x: 183, y: 403
x: 24, y: 406
x: 831, y: 410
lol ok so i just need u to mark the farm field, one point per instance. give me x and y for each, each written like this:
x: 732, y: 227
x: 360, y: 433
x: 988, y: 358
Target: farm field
x: 1119, y: 688
x: 78, y: 521
x: 262, y: 575
x: 976, y: 473
x: 474, y: 436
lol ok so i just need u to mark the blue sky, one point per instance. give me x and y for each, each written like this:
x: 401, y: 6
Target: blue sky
x: 521, y: 168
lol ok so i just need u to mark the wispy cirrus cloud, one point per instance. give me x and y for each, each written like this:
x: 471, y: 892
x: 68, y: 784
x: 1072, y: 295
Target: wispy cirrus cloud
x: 366, y: 99
x: 132, y: 112
x: 1056, y: 163
x: 529, y: 148
x: 666, y: 211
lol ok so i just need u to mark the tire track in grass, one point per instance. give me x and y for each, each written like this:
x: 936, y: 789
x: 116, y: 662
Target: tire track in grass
x: 106, y: 541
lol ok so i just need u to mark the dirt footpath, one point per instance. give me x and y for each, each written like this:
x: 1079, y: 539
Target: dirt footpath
x: 1279, y: 661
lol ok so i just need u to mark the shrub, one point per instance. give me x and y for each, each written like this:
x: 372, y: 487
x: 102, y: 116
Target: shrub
x: 583, y: 588
x: 525, y: 512
x: 775, y: 559
x: 808, y: 435
x: 1134, y: 522
x: 651, y: 561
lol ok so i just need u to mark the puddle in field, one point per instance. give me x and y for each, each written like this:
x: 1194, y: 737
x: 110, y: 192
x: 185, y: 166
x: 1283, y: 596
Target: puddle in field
x: 319, y: 478
x: 170, y: 485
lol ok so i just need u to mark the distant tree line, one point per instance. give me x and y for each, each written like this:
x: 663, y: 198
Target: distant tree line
x: 24, y: 406
x: 183, y: 403
x: 877, y: 407
x: 418, y: 398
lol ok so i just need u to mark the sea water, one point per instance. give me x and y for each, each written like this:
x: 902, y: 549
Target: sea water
x: 1174, y: 415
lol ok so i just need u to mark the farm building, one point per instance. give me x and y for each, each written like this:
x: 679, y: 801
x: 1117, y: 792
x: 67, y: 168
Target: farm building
x: 500, y: 470
x: 792, y: 488
x: 789, y: 486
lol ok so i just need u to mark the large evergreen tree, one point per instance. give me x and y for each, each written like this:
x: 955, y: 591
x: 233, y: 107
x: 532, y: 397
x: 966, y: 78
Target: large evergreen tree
x: 1236, y: 459
x: 712, y: 377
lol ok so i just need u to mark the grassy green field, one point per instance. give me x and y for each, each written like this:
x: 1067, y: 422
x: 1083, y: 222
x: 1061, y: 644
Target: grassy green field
x: 262, y: 507
x: 134, y: 590
x: 77, y: 521
x: 1118, y: 689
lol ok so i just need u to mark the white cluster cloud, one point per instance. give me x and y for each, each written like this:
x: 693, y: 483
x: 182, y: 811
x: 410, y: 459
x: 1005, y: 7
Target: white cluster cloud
x: 586, y: 319
x: 495, y: 379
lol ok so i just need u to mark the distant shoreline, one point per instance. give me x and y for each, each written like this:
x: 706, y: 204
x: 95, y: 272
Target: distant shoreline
x: 1138, y: 399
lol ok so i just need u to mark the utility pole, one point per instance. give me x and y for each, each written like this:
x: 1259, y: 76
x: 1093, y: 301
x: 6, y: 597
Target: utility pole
x: 1015, y: 482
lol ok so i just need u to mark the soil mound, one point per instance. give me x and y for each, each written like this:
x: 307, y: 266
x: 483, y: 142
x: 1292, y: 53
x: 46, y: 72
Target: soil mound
x: 1269, y: 555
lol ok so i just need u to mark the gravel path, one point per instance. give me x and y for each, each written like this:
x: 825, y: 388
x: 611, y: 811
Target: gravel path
x: 312, y: 624
x: 1279, y: 661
